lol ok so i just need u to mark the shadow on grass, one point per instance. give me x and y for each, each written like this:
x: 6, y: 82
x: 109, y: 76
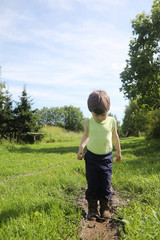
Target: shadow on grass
x: 60, y: 150
x: 140, y: 146
x: 144, y: 167
x: 34, y: 211
x: 132, y: 142
x: 14, y: 213
x: 146, y: 155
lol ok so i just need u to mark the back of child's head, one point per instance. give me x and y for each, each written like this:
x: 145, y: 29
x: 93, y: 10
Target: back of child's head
x: 99, y: 102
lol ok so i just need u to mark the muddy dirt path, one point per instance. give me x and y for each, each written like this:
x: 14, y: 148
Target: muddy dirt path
x: 100, y: 230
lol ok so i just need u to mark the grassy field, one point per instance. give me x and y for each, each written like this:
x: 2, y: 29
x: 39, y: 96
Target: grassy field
x: 137, y: 178
x: 39, y: 185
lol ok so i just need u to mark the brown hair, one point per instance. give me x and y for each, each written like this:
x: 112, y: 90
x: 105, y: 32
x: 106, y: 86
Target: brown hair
x: 98, y: 102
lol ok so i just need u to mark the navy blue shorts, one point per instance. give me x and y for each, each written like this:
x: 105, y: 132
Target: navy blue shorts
x: 98, y: 175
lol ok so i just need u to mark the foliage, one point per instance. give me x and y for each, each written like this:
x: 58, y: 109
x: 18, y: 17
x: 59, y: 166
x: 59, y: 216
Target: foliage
x: 128, y: 126
x: 119, y: 127
x: 2, y: 97
x: 134, y: 119
x: 138, y: 121
x: 7, y: 120
x: 6, y: 114
x: 73, y: 118
x: 152, y: 125
x: 141, y: 76
x: 16, y: 122
x: 25, y: 119
x: 53, y: 116
x: 69, y: 117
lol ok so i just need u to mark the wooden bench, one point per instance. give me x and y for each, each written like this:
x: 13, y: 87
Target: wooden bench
x: 35, y: 134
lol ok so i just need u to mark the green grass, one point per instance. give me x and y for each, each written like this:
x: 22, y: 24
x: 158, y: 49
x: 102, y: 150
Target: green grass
x: 137, y: 178
x: 57, y: 134
x: 39, y: 185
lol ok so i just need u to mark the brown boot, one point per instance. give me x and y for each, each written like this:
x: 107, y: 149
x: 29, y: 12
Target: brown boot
x: 104, y: 209
x: 92, y: 210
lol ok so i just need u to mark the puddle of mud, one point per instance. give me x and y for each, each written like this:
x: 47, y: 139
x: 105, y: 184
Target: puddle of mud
x: 100, y: 230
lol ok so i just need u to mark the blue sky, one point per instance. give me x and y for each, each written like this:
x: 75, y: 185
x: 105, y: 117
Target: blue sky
x: 62, y: 50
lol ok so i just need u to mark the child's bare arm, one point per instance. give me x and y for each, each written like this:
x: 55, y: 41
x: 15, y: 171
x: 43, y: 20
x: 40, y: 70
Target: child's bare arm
x: 116, y: 143
x: 84, y: 141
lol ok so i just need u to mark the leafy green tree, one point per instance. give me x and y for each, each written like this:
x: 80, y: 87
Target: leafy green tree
x: 69, y: 117
x: 42, y: 116
x: 141, y: 76
x: 25, y: 118
x: 119, y: 127
x: 51, y: 116
x: 134, y: 120
x: 138, y: 121
x: 152, y: 125
x: 73, y: 118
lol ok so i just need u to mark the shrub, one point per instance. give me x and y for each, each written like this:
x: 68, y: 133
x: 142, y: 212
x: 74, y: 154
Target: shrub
x: 153, y: 124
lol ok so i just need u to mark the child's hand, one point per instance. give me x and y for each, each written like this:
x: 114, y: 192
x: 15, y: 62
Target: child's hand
x: 119, y: 158
x: 80, y: 155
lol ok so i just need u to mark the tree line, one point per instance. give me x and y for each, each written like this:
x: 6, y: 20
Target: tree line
x: 18, y: 120
x: 68, y: 117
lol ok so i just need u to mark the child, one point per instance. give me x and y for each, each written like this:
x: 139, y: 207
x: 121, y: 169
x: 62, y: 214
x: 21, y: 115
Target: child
x: 100, y: 131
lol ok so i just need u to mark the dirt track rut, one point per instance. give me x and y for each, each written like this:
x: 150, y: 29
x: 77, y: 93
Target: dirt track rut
x: 100, y: 230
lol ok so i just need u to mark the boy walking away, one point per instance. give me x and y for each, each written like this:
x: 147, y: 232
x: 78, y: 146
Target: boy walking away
x: 100, y: 131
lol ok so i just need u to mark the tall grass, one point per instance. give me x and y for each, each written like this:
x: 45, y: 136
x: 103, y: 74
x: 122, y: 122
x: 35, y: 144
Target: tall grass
x: 57, y: 134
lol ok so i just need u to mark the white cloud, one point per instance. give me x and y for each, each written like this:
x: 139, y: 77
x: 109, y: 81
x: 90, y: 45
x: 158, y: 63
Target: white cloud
x: 89, y: 42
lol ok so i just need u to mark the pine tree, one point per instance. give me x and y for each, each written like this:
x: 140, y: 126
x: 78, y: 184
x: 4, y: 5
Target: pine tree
x: 8, y: 116
x: 25, y: 119
x: 2, y: 99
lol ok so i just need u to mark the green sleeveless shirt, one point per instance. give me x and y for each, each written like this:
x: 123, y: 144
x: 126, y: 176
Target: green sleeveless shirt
x: 100, y: 135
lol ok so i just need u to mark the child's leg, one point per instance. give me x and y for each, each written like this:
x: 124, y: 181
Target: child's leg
x: 92, y: 176
x: 105, y: 186
x: 105, y: 176
x: 92, y: 209
x: 92, y: 190
x: 105, y: 208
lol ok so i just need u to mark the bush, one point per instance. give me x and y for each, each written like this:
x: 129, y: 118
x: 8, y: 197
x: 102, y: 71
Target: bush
x: 153, y: 124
